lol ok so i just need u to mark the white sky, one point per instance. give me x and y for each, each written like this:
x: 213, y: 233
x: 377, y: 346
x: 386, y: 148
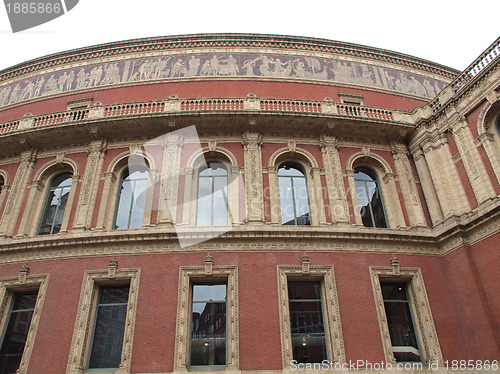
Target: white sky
x: 449, y: 32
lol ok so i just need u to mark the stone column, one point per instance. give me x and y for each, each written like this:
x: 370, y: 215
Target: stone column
x: 103, y: 220
x: 274, y: 195
x: 408, y: 186
x: 476, y: 171
x: 449, y: 188
x: 427, y: 186
x: 318, y: 216
x: 253, y: 178
x: 392, y: 204
x: 169, y: 183
x: 188, y: 209
x: 90, y: 186
x: 17, y: 193
x: 334, y: 180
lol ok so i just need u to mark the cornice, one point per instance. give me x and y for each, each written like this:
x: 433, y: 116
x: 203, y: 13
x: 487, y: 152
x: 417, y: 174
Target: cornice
x: 225, y: 41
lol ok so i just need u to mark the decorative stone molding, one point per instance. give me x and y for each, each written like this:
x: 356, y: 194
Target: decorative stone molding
x: 421, y: 311
x: 22, y: 283
x: 82, y: 334
x: 331, y: 316
x: 188, y: 275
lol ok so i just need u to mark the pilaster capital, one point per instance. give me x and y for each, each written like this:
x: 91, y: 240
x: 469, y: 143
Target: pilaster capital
x: 251, y: 140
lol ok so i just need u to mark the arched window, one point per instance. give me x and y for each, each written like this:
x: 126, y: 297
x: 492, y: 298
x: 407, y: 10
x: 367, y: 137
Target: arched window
x: 132, y: 199
x: 55, y: 204
x: 294, y: 198
x: 212, y: 200
x: 369, y: 198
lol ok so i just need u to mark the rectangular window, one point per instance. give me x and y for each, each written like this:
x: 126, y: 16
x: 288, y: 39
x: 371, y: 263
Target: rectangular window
x: 107, y: 341
x: 208, y: 325
x: 306, y: 322
x: 16, y: 331
x: 400, y: 322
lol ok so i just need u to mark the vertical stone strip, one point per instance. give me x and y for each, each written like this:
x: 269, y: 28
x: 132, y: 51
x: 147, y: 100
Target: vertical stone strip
x: 253, y: 177
x: 449, y: 188
x: 334, y: 180
x: 476, y: 172
x: 17, y: 193
x: 169, y: 183
x: 427, y: 186
x: 90, y: 186
x: 408, y: 186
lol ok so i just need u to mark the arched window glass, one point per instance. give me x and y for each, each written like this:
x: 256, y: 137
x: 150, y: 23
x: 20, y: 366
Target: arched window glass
x: 132, y: 199
x: 294, y: 198
x: 55, y: 204
x: 212, y: 195
x: 370, y: 201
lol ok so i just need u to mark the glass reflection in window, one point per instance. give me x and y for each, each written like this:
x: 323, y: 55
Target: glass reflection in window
x: 55, y: 205
x: 294, y: 198
x: 370, y: 201
x: 132, y: 199
x: 212, y: 204
x: 208, y: 325
x: 400, y: 322
x: 107, y: 341
x: 306, y: 322
x: 16, y: 332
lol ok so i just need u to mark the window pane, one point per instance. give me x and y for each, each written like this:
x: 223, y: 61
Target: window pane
x: 400, y: 322
x: 208, y: 325
x: 109, y: 328
x: 294, y: 198
x: 220, y: 201
x: 209, y: 292
x: 306, y: 321
x: 212, y: 203
x: 131, y: 200
x: 301, y: 200
x: 369, y: 198
x: 286, y: 201
x: 55, y: 205
x: 16, y: 332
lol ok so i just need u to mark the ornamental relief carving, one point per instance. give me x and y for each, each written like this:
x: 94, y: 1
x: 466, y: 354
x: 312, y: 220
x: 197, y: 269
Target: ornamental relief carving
x: 213, y: 65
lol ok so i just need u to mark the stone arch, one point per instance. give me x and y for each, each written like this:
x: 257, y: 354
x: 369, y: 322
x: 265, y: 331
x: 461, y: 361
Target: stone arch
x: 53, y: 167
x: 121, y: 161
x: 488, y: 129
x: 38, y: 192
x: 235, y: 183
x: 109, y: 200
x: 207, y: 154
x: 387, y: 184
x: 372, y: 160
x: 308, y: 162
x: 293, y: 154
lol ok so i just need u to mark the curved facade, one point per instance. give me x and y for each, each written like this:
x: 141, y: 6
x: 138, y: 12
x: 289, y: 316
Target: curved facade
x: 248, y: 204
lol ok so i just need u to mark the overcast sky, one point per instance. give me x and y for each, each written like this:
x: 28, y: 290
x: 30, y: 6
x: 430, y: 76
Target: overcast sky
x: 448, y: 32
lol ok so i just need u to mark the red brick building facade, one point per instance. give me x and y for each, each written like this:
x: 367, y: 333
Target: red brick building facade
x: 248, y: 203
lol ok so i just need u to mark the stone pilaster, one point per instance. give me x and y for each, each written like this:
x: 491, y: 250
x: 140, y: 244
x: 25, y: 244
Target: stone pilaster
x: 169, y: 182
x: 17, y: 193
x: 253, y: 177
x: 408, y: 186
x: 334, y: 180
x: 474, y: 167
x: 90, y: 186
x: 449, y: 188
x: 427, y: 186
